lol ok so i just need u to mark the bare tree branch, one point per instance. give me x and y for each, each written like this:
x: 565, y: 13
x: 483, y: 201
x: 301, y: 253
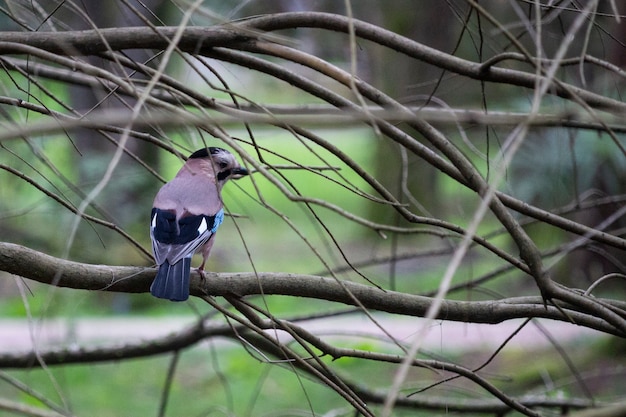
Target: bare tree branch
x: 40, y: 267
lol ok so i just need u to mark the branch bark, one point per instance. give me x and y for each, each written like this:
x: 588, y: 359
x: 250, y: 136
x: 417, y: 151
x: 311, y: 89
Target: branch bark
x: 37, y: 266
x: 199, y: 39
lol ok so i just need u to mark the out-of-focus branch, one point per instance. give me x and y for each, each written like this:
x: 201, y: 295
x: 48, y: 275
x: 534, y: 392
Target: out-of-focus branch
x: 324, y: 115
x: 615, y: 410
x: 201, y: 330
x: 27, y: 410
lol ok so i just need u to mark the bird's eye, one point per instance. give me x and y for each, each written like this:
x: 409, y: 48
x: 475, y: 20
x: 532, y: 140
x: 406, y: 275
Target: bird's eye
x: 223, y: 165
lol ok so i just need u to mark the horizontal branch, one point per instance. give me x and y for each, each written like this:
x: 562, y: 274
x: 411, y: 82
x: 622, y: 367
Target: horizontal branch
x: 313, y: 114
x: 198, y: 40
x: 201, y: 330
x: 37, y: 266
x: 88, y: 42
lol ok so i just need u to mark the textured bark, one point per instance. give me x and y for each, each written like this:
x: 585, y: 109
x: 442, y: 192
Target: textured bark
x: 43, y: 268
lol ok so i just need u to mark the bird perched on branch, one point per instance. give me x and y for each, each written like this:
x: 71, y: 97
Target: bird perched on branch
x: 185, y: 216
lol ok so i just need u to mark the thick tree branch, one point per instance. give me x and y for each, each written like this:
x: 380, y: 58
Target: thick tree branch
x: 93, y: 42
x: 424, y: 53
x: 40, y: 267
x: 199, y: 39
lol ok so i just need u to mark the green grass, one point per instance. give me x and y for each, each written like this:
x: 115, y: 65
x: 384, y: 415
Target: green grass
x: 206, y: 382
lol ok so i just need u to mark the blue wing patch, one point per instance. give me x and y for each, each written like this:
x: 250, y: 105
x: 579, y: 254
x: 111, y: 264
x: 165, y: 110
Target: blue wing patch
x: 165, y: 229
x: 218, y: 219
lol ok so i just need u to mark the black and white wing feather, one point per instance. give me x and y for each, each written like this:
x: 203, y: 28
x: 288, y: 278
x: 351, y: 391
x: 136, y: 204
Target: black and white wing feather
x: 174, y: 240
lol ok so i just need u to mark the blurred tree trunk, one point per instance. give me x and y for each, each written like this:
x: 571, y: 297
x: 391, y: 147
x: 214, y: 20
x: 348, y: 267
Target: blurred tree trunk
x: 432, y: 23
x: 131, y: 191
x: 131, y: 188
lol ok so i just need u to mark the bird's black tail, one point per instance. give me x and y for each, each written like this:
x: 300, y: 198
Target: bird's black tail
x: 172, y: 281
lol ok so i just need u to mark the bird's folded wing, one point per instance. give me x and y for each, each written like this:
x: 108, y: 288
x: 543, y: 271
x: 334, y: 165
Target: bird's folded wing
x: 173, y: 241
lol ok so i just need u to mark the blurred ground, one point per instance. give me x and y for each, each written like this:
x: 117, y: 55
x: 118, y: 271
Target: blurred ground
x: 22, y: 335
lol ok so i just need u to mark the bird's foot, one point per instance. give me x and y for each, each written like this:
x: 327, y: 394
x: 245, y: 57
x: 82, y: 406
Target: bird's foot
x: 202, y: 274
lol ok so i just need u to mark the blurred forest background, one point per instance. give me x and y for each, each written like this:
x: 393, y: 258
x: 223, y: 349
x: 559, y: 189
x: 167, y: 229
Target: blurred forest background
x: 457, y: 164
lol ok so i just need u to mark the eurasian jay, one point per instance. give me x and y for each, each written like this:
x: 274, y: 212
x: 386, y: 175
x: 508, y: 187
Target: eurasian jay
x: 185, y: 216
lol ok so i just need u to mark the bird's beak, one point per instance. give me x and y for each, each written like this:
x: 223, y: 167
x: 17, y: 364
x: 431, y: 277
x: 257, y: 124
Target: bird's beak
x: 237, y: 173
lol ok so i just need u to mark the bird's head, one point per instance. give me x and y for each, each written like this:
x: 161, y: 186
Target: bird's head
x: 224, y: 164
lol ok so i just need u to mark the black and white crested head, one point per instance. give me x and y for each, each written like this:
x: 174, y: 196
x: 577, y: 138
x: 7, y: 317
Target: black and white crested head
x: 224, y: 163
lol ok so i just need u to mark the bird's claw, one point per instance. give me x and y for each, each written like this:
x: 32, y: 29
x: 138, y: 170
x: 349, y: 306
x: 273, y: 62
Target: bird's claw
x: 202, y: 274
